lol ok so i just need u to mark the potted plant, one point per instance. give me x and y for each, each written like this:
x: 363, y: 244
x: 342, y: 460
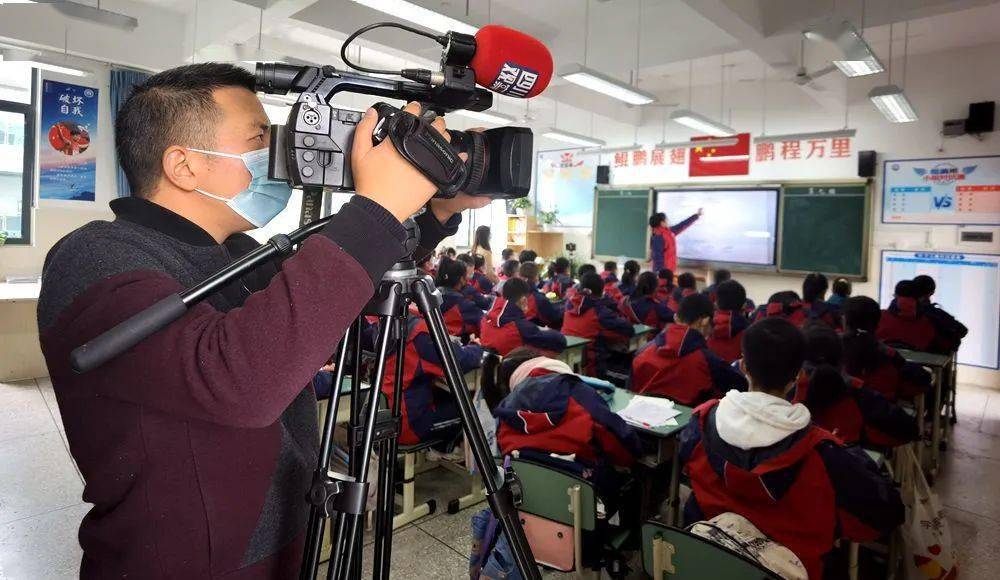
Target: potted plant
x: 547, y: 219
x: 3, y: 237
x: 520, y: 205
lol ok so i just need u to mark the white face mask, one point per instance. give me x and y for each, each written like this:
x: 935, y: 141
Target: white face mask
x: 264, y: 198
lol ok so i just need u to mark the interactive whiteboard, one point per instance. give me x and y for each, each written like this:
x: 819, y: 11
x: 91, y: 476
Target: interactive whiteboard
x: 737, y: 225
x: 968, y: 287
x: 961, y: 190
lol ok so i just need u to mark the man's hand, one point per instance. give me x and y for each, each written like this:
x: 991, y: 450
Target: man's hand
x: 701, y: 211
x: 383, y: 175
x: 443, y: 209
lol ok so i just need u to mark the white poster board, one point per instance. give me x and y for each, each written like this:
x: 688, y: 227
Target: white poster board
x: 961, y: 190
x: 968, y: 287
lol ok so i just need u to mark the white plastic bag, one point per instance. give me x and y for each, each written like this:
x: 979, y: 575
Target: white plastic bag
x: 927, y: 549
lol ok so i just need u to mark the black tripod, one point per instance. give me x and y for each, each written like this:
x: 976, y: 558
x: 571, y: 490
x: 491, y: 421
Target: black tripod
x: 343, y: 496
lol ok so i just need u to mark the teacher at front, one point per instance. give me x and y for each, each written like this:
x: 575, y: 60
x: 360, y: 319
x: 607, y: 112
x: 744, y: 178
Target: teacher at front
x: 663, y: 240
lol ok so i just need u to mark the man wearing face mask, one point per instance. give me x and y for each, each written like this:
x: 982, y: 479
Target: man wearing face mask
x: 198, y: 444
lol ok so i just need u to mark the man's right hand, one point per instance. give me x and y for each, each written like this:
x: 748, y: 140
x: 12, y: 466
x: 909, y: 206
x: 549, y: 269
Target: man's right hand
x: 383, y: 175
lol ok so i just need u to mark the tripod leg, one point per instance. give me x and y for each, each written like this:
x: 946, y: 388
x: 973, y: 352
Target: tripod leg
x: 498, y: 493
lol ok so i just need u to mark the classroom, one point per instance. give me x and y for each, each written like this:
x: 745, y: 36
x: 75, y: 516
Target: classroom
x: 649, y: 289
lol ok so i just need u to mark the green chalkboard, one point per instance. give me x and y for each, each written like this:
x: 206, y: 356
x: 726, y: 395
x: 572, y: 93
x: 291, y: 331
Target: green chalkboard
x: 621, y: 220
x: 824, y: 228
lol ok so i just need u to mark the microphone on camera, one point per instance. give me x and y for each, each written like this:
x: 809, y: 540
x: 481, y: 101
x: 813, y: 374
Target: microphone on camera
x: 510, y: 62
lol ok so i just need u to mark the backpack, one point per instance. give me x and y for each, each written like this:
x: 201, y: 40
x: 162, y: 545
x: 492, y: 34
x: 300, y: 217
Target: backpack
x: 491, y: 557
x: 739, y: 535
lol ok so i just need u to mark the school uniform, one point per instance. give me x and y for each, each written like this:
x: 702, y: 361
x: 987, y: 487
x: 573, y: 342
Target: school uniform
x: 461, y: 315
x: 481, y: 282
x: 611, y: 290
x: 664, y: 291
x: 856, y: 413
x: 663, y: 244
x: 542, y: 311
x: 473, y: 295
x: 626, y: 289
x: 758, y: 456
x: 588, y: 317
x: 427, y: 411
x: 905, y: 324
x: 678, y: 365
x: 892, y: 377
x: 824, y: 312
x: 558, y: 285
x: 726, y: 339
x: 646, y: 310
x: 836, y: 300
x: 950, y: 331
x: 506, y: 327
x: 794, y: 312
x: 679, y: 294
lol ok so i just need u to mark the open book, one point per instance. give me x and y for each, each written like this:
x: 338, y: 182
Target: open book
x: 649, y: 412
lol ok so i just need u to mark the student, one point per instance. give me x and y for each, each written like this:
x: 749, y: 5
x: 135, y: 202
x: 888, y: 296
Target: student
x: 785, y: 304
x: 718, y: 277
x: 757, y: 455
x: 540, y: 309
x: 587, y: 316
x: 505, y: 255
x: 560, y: 281
x: 841, y: 292
x: 842, y: 404
x: 904, y: 324
x: 814, y: 288
x: 469, y: 290
x: 429, y: 412
x: 427, y: 265
x: 479, y: 280
x: 678, y: 365
x: 629, y: 277
x: 871, y: 360
x: 446, y: 254
x: 582, y: 271
x: 729, y: 321
x: 610, y: 277
x: 527, y: 256
x: 950, y: 331
x: 686, y: 286
x: 461, y: 315
x: 610, y: 271
x: 665, y: 285
x: 642, y: 307
x: 506, y: 327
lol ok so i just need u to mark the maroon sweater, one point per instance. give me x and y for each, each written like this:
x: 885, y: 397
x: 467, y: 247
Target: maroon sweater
x: 198, y: 444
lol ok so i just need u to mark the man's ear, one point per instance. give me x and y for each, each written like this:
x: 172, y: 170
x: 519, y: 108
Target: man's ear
x: 180, y: 168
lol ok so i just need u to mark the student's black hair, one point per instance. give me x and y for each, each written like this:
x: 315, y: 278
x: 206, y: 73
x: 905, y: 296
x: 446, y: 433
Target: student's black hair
x: 695, y: 307
x: 629, y: 272
x: 449, y: 252
x: 496, y: 374
x: 506, y: 254
x: 585, y: 269
x: 427, y: 259
x: 527, y: 256
x: 610, y: 266
x: 509, y: 268
x: 480, y: 261
x: 730, y: 295
x: 924, y: 286
x: 842, y: 287
x: 905, y: 289
x: 814, y: 287
x: 824, y: 356
x: 450, y: 273
x: 528, y: 271
x: 687, y: 281
x: 668, y: 275
x: 656, y: 219
x: 861, y: 344
x: 466, y: 259
x: 786, y: 297
x: 592, y: 281
x: 646, y: 285
x: 482, y: 238
x: 515, y: 288
x: 560, y: 266
x: 773, y: 351
x: 721, y: 275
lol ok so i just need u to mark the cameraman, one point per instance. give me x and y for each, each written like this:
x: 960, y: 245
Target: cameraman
x: 198, y: 444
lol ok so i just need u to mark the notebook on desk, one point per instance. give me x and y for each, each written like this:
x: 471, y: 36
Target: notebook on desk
x: 649, y: 412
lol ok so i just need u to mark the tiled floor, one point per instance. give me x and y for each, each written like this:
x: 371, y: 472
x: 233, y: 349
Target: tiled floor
x: 40, y: 489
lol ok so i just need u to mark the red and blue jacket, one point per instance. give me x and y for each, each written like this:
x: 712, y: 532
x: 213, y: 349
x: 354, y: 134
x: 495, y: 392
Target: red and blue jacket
x: 461, y: 315
x: 481, y: 282
x: 855, y: 413
x: 663, y: 244
x: 421, y: 367
x: 727, y: 334
x: 804, y: 491
x: 506, y: 327
x: 892, y: 377
x: 678, y: 365
x: 823, y: 311
x: 663, y: 291
x: 559, y: 413
x: 542, y: 311
x: 677, y: 295
x: 611, y: 290
x: 949, y: 331
x: 646, y: 310
x: 587, y: 317
x: 626, y: 289
x: 905, y: 324
x: 558, y: 285
x: 481, y: 301
x: 793, y: 312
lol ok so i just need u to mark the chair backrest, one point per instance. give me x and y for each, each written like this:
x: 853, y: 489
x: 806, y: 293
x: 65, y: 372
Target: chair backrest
x: 694, y: 557
x: 546, y: 494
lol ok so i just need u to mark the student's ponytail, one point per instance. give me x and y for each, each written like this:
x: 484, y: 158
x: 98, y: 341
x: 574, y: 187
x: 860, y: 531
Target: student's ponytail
x: 824, y: 355
x: 646, y: 285
x: 862, y: 349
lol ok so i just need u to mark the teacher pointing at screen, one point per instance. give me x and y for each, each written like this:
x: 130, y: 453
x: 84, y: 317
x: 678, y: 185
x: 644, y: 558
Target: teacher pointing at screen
x: 663, y: 240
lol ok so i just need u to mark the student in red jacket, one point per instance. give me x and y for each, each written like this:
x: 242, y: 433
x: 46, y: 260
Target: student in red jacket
x: 729, y: 321
x: 507, y: 271
x: 582, y: 271
x: 686, y: 286
x: 587, y: 316
x: 758, y: 455
x: 610, y: 271
x: 718, y: 277
x: 505, y: 255
x: 540, y: 309
x: 559, y: 279
x: 814, y: 288
x: 461, y: 314
x: 506, y: 327
x: 663, y: 239
x: 469, y: 289
x: 630, y: 276
x: 610, y: 277
x: 664, y: 285
x: 871, y: 360
x: 785, y: 304
x: 842, y: 404
x: 949, y: 331
x: 479, y: 280
x: 678, y: 365
x: 905, y: 323
x: 642, y: 307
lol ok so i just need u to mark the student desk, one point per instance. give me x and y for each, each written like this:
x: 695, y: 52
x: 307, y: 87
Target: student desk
x: 938, y: 364
x: 573, y: 354
x: 640, y: 338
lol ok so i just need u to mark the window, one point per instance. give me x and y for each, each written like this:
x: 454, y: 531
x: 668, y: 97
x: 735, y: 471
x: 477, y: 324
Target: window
x: 17, y: 151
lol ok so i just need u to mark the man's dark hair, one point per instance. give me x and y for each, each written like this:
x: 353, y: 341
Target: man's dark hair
x: 905, y: 289
x: 730, y: 295
x: 695, y: 307
x: 814, y: 287
x: 560, y: 266
x: 686, y: 280
x: 515, y: 288
x: 527, y: 256
x: 610, y: 266
x: 656, y: 219
x: 509, y: 268
x: 586, y: 269
x: 592, y: 281
x: 773, y: 351
x: 529, y: 271
x: 480, y: 261
x: 174, y: 107
x: 842, y: 287
x: 924, y: 286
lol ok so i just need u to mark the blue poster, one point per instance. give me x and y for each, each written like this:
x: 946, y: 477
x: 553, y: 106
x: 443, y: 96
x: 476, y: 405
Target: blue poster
x: 960, y: 190
x: 565, y: 184
x: 67, y: 159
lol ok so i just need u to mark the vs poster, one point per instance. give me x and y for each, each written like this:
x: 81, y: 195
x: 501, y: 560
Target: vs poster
x: 961, y: 190
x: 67, y: 159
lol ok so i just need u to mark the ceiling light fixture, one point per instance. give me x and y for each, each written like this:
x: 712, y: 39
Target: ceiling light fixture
x: 859, y: 58
x: 612, y: 150
x: 419, y: 15
x: 494, y: 117
x: 724, y: 142
x: 572, y: 138
x: 893, y: 104
x: 840, y: 133
x: 589, y: 78
x: 701, y: 123
x: 34, y: 60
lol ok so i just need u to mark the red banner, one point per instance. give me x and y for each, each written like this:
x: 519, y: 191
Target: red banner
x: 712, y: 160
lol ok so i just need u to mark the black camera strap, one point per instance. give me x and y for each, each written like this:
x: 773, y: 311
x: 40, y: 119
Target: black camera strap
x: 423, y: 146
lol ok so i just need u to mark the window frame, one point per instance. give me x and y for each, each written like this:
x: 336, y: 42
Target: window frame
x: 29, y: 111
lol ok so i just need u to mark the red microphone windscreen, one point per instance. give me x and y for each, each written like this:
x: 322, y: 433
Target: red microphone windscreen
x: 510, y: 62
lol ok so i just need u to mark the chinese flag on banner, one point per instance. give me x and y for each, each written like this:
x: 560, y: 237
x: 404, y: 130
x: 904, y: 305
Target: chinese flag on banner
x: 730, y: 160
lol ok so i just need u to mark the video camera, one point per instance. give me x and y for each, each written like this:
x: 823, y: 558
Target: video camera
x: 312, y: 150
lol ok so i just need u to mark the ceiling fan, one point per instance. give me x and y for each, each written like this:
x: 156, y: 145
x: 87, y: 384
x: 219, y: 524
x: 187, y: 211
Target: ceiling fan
x: 803, y: 77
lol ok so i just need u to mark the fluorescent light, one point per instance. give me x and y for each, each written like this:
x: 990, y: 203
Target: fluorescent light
x: 727, y: 142
x: 572, y: 138
x: 15, y: 55
x: 859, y: 58
x: 487, y: 116
x: 840, y: 133
x: 591, y: 79
x: 701, y: 123
x: 612, y: 150
x: 419, y: 15
x: 893, y: 104
x: 859, y: 68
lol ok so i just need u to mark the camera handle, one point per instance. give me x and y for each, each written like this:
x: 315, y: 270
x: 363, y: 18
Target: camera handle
x: 423, y: 146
